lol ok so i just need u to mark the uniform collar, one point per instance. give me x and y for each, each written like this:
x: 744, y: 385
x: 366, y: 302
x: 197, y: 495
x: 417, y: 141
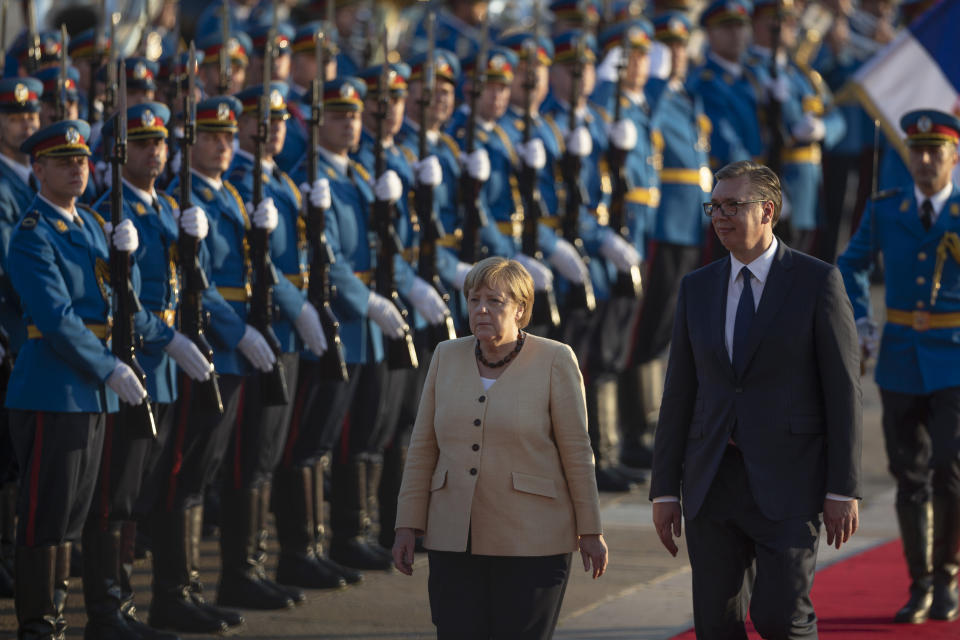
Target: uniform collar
x: 937, y: 200
x: 23, y: 171
x: 733, y: 68
x: 432, y: 136
x: 339, y: 162
x: 268, y: 163
x: 69, y: 215
x: 213, y: 183
x: 148, y: 197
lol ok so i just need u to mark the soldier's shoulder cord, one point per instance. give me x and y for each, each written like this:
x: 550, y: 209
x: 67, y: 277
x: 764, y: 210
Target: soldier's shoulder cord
x: 169, y: 198
x: 361, y: 171
x: 30, y: 220
x: 448, y: 140
x: 885, y: 194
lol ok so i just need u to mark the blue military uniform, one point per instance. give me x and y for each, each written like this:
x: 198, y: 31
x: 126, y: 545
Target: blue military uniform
x: 919, y: 236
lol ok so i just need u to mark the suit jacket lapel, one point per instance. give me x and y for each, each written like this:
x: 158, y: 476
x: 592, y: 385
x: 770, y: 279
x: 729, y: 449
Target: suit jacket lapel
x: 775, y: 292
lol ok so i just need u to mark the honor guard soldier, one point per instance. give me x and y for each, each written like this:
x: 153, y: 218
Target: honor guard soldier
x: 132, y: 463
x: 459, y: 25
x: 141, y: 80
x: 679, y: 127
x: 574, y: 14
x: 19, y: 106
x: 805, y: 117
x: 85, y: 56
x: 365, y: 317
x: 65, y: 381
x: 282, y: 60
x: 237, y: 48
x: 266, y: 427
x: 16, y: 62
x: 917, y: 228
x: 51, y: 97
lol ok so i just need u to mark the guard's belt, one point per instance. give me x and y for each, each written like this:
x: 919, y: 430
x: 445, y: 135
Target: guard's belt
x: 235, y: 294
x: 169, y: 316
x: 102, y: 331
x: 923, y: 320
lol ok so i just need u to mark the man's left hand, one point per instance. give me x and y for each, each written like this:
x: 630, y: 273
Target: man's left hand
x: 840, y: 519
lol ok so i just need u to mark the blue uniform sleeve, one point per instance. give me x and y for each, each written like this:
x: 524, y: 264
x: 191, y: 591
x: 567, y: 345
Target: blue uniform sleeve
x: 403, y: 275
x: 288, y: 298
x: 447, y: 261
x: 352, y: 294
x: 47, y: 301
x: 225, y: 325
x: 148, y: 325
x: 856, y: 264
x: 836, y: 128
x: 546, y: 240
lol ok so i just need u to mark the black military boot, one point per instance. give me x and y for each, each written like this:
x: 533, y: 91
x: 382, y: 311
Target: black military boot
x: 61, y: 582
x: 101, y: 583
x: 293, y: 509
x: 195, y: 523
x: 394, y: 460
x: 372, y: 507
x: 128, y: 609
x: 349, y: 519
x: 8, y: 531
x: 916, y: 531
x: 293, y: 592
x: 173, y: 606
x: 946, y: 557
x: 36, y: 610
x: 241, y: 581
x: 320, y: 472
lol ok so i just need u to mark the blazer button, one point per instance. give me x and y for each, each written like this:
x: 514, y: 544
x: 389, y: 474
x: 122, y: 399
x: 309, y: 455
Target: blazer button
x: 482, y: 398
x: 473, y: 471
x: 476, y: 422
x: 475, y: 447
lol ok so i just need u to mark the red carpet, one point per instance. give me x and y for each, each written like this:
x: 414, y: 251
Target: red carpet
x: 855, y: 600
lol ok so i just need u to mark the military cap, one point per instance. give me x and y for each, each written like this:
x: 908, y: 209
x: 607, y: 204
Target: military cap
x: 84, y: 45
x: 173, y: 67
x: 638, y: 32
x: 565, y: 46
x: 929, y: 127
x: 304, y: 40
x: 145, y: 120
x: 672, y: 26
x: 446, y: 65
x: 142, y: 74
x: 250, y: 99
x: 501, y: 65
x: 724, y: 11
x: 582, y: 12
x: 20, y: 95
x: 50, y: 47
x: 779, y: 7
x: 50, y: 78
x: 283, y: 39
x: 238, y: 47
x: 218, y: 113
x: 627, y: 10
x: 64, y: 138
x: 518, y: 42
x: 397, y: 76
x: 345, y: 93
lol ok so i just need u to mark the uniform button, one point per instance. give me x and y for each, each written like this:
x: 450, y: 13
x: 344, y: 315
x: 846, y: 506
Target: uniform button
x: 476, y: 422
x: 920, y: 280
x: 921, y: 256
x: 475, y: 447
x: 482, y: 398
x: 473, y: 471
x: 919, y: 304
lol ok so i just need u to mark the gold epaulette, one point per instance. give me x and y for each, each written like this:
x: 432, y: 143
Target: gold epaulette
x: 293, y: 188
x: 451, y: 144
x: 236, y: 196
x: 363, y: 173
x: 170, y: 199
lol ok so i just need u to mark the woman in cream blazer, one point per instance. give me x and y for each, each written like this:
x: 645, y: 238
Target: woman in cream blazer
x: 499, y: 476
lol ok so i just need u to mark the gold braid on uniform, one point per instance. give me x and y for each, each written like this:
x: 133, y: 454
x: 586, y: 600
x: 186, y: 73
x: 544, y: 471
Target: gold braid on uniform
x: 950, y: 243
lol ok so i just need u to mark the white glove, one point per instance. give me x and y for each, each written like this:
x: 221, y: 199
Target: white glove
x: 386, y: 315
x: 189, y: 358
x: 463, y: 268
x: 309, y: 327
x: 778, y: 89
x: 265, y: 216
x: 623, y: 134
x: 427, y: 301
x: 319, y: 193
x: 388, y: 187
x: 124, y: 237
x: 533, y: 153
x: 477, y: 164
x: 867, y: 334
x: 618, y: 251
x: 579, y: 143
x: 105, y: 174
x: 810, y: 129
x: 194, y: 222
x: 428, y: 171
x: 254, y: 348
x: 542, y: 276
x: 125, y: 384
x: 566, y: 259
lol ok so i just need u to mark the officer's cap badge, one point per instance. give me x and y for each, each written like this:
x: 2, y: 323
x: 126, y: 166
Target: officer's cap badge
x: 498, y: 62
x: 276, y: 100
x: 675, y: 25
x: 21, y: 93
x: 140, y: 71
x: 51, y: 47
x: 147, y: 118
x: 223, y: 111
x: 391, y: 77
x: 347, y: 91
x: 924, y: 124
x: 233, y: 46
x: 72, y: 136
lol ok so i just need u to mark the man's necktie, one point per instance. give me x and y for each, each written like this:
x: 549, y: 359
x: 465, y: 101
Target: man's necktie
x: 741, y: 327
x: 926, y: 214
x: 155, y: 204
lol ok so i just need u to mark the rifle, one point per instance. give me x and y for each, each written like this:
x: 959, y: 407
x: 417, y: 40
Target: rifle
x: 223, y: 84
x: 138, y: 419
x: 194, y: 279
x: 423, y: 197
x: 473, y: 217
x: 110, y: 91
x: 333, y: 366
x: 545, y: 311
x: 34, y: 48
x: 273, y: 383
x: 774, y: 108
x: 401, y: 354
x: 62, y: 77
x: 3, y: 35
x: 581, y: 295
x: 95, y: 114
x: 628, y: 284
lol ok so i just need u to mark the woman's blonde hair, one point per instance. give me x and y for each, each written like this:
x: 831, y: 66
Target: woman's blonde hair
x: 507, y: 275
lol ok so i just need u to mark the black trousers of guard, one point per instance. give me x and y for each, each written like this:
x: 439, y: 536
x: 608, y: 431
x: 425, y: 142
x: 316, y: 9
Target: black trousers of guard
x: 154, y: 475
x: 922, y: 436
x: 475, y: 597
x: 377, y: 391
x: 727, y: 538
x: 668, y: 264
x: 59, y: 456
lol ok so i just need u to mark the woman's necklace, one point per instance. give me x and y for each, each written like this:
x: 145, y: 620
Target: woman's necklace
x: 521, y: 336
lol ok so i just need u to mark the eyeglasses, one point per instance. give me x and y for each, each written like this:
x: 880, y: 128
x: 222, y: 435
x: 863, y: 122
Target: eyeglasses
x: 727, y: 209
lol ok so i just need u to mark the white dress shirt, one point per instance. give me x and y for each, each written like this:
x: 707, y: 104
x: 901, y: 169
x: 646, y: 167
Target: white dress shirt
x: 937, y: 200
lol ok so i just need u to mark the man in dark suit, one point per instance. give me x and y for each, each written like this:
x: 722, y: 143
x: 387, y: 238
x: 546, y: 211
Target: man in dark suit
x: 760, y: 420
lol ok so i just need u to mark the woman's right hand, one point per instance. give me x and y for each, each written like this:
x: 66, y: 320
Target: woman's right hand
x: 403, y: 544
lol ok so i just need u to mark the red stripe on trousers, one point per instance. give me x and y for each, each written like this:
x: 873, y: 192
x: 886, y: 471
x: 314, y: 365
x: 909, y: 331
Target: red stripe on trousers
x: 295, y: 420
x: 186, y: 390
x: 105, y: 471
x: 238, y: 439
x: 345, y: 440
x: 35, y: 480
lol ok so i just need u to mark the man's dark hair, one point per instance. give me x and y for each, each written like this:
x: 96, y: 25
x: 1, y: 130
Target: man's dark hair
x: 763, y: 181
